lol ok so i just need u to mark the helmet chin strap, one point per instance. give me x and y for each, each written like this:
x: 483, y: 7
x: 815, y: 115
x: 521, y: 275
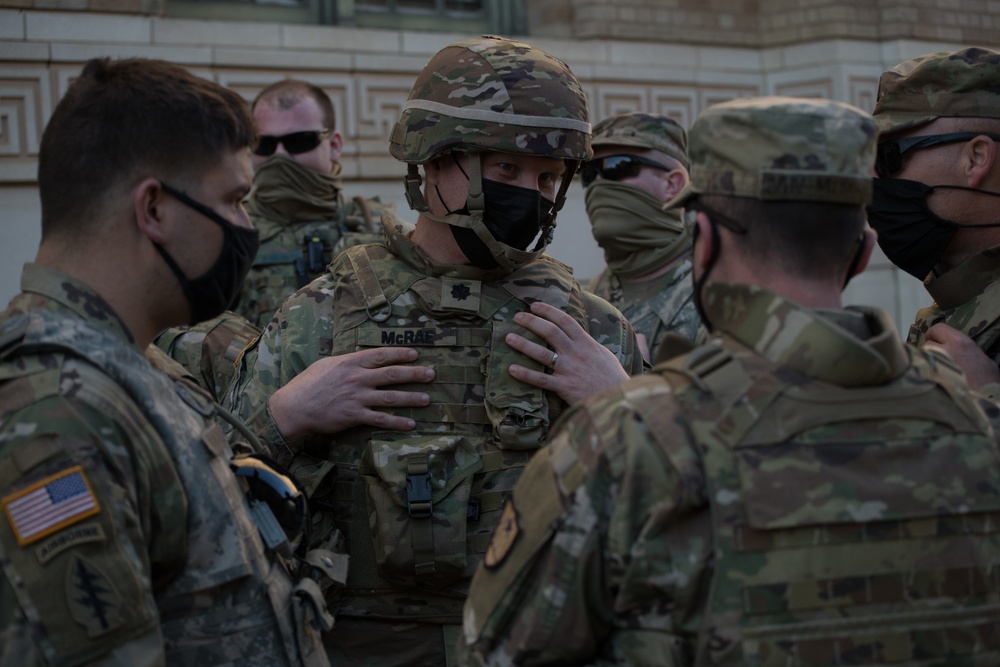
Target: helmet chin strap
x: 549, y: 224
x: 506, y: 256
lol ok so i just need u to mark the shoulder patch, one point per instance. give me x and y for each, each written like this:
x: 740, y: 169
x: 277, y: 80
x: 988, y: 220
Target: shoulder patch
x: 67, y: 539
x: 506, y: 534
x: 92, y: 599
x: 49, y: 505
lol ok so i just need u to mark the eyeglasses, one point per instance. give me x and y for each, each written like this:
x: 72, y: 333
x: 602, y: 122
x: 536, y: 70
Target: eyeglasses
x: 294, y: 143
x: 889, y: 155
x: 616, y: 167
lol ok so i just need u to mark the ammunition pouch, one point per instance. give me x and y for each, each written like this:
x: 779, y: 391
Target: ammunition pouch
x: 417, y: 492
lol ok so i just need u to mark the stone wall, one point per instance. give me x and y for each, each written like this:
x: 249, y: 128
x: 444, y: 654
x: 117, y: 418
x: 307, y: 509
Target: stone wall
x: 368, y: 74
x: 768, y: 23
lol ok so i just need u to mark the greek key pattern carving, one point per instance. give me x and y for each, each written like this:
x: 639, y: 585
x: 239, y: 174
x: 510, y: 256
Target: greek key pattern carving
x: 368, y: 104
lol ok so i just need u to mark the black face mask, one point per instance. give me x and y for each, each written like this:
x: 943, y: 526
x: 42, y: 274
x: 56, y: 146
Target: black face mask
x: 910, y: 234
x: 512, y: 214
x: 218, y: 288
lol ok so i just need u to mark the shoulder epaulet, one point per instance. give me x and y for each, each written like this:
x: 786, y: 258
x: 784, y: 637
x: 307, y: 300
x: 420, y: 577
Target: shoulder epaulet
x: 10, y: 338
x: 166, y: 339
x: 712, y: 369
x: 947, y: 375
x: 377, y: 303
x: 565, y: 267
x: 538, y: 280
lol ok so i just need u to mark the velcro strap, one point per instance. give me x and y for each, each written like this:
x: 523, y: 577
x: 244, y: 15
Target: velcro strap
x: 493, y: 461
x: 274, y: 258
x: 926, y: 640
x: 746, y: 538
x: 457, y: 413
x: 901, y: 587
x: 421, y: 513
x: 491, y: 501
x: 330, y: 565
x: 379, y: 308
x: 464, y: 375
x: 311, y: 596
x: 715, y: 370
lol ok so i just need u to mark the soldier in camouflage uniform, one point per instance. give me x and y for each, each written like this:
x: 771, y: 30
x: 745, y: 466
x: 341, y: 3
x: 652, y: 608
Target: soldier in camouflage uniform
x: 499, y: 128
x: 298, y: 204
x: 304, y: 219
x: 130, y: 534
x: 935, y: 200
x: 640, y: 162
x: 208, y: 351
x: 803, y: 489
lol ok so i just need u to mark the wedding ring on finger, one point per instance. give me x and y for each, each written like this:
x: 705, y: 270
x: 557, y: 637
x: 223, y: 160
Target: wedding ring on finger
x: 555, y: 358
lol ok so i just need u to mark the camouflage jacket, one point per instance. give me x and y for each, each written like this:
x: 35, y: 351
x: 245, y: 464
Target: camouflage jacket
x: 474, y: 438
x: 126, y: 538
x: 654, y: 307
x: 967, y: 298
x: 790, y: 493
x: 294, y: 252
x: 208, y: 350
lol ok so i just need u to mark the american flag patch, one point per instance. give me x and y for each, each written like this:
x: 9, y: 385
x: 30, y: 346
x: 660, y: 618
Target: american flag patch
x: 50, y: 505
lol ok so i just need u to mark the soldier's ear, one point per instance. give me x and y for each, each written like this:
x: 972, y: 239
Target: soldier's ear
x: 432, y: 170
x: 148, y: 205
x: 675, y: 179
x: 868, y: 237
x: 979, y: 157
x: 336, y: 145
x: 704, y: 242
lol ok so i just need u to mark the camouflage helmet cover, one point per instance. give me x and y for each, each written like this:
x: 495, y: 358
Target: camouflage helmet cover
x: 643, y: 130
x: 782, y: 149
x: 963, y: 83
x: 496, y: 94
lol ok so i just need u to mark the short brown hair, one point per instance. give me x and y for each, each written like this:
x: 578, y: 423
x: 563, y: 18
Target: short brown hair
x: 125, y: 120
x: 809, y: 240
x: 288, y: 92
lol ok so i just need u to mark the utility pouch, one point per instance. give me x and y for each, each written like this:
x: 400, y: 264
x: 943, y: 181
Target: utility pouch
x: 519, y: 412
x: 417, y: 490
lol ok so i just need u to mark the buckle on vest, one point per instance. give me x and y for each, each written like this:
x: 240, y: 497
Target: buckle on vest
x: 418, y: 490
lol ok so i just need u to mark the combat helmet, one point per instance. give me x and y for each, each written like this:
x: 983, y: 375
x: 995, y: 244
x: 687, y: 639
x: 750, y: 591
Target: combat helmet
x: 493, y: 94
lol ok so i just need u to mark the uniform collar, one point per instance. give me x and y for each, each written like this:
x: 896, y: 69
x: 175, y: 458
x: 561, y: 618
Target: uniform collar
x: 398, y: 240
x: 853, y: 347
x: 43, y: 287
x: 965, y: 281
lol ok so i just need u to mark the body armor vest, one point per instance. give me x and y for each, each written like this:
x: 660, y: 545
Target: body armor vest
x: 420, y: 506
x: 293, y: 254
x: 824, y: 554
x: 230, y: 597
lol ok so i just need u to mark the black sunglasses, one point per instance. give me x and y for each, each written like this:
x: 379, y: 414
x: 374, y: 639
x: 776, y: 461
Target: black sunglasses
x: 889, y: 155
x: 616, y: 167
x: 294, y: 143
